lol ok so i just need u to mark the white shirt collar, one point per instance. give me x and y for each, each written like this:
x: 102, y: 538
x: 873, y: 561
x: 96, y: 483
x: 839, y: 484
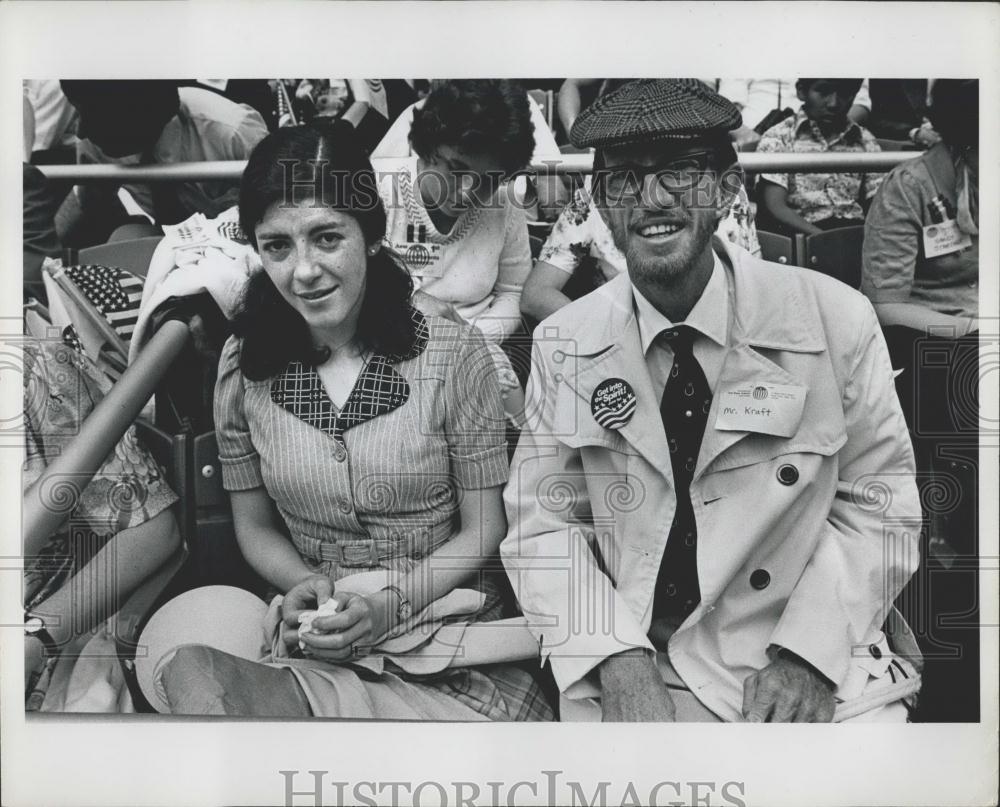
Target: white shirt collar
x: 710, y: 315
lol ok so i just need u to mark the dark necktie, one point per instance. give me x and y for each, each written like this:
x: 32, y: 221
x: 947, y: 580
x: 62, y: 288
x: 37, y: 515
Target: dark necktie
x: 684, y: 409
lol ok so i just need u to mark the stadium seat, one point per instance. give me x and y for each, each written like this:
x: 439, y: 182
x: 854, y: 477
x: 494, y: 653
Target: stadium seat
x: 133, y: 255
x: 777, y: 248
x: 836, y: 253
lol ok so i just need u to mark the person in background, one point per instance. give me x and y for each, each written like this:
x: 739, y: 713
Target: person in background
x: 765, y: 102
x: 120, y: 531
x: 255, y: 93
x: 49, y: 139
x: 55, y: 122
x: 450, y: 224
x: 812, y: 203
x: 40, y: 201
x: 156, y: 123
x: 921, y: 271
x: 540, y: 196
x: 899, y: 111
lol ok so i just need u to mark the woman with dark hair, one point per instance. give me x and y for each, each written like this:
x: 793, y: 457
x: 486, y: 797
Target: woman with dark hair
x: 921, y: 272
x: 363, y: 448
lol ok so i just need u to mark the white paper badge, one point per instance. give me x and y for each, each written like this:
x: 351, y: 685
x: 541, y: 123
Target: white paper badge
x: 760, y: 407
x: 423, y: 260
x: 944, y: 238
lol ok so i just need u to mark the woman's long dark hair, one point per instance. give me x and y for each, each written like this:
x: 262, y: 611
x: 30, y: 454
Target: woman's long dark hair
x: 324, y: 164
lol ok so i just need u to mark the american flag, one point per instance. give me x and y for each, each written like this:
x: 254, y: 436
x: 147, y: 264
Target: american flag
x: 114, y: 292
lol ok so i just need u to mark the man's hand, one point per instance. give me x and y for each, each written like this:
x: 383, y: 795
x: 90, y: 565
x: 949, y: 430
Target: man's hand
x: 926, y: 136
x: 788, y: 690
x: 632, y: 690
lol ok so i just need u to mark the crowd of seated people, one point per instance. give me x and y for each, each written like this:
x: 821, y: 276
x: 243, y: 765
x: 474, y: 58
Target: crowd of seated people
x: 460, y: 259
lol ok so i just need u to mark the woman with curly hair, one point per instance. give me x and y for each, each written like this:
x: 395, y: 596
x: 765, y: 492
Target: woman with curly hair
x: 451, y: 224
x: 362, y: 445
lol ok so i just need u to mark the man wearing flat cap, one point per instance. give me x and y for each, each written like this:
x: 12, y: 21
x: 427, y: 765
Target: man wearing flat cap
x: 712, y: 506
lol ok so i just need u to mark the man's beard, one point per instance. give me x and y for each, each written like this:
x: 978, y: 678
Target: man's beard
x: 665, y: 269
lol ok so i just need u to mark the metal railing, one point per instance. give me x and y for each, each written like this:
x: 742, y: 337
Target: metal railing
x: 232, y: 170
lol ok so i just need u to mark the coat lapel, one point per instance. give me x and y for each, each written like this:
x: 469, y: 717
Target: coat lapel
x: 644, y: 430
x: 616, y: 352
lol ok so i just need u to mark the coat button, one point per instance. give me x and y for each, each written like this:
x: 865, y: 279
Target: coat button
x: 788, y: 474
x: 875, y: 651
x: 670, y: 589
x: 760, y: 579
x: 340, y: 453
x: 344, y: 506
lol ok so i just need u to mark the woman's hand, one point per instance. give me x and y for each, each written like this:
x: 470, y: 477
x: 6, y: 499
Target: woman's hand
x: 359, y: 624
x: 306, y: 595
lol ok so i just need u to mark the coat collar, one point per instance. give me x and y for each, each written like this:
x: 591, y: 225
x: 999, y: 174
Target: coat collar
x: 610, y: 347
x: 753, y: 302
x: 379, y: 389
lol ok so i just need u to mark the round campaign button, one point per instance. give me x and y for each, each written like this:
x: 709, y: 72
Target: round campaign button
x: 613, y: 403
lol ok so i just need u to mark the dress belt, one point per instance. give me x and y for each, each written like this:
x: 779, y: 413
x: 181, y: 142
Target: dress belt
x: 413, y: 543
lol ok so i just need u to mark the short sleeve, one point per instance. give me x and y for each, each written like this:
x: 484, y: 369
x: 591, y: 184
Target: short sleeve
x: 247, y: 135
x: 892, y: 242
x: 569, y: 238
x: 474, y: 418
x: 237, y: 454
x: 772, y: 142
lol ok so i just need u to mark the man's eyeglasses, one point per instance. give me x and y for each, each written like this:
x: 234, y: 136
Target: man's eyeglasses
x: 674, y: 176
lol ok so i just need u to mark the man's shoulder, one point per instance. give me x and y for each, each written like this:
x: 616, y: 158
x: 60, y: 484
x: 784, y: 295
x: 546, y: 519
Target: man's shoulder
x: 775, y: 282
x: 927, y: 169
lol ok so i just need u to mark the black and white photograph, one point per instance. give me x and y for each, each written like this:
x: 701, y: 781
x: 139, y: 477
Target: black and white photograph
x: 352, y: 424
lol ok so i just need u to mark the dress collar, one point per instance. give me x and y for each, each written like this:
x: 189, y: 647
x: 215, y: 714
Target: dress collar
x: 378, y: 390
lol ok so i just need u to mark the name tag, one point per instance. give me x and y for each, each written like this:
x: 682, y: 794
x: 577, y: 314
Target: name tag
x: 421, y: 260
x: 944, y: 238
x: 765, y: 408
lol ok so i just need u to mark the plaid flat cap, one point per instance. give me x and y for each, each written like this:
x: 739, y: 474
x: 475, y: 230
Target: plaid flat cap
x: 655, y: 109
